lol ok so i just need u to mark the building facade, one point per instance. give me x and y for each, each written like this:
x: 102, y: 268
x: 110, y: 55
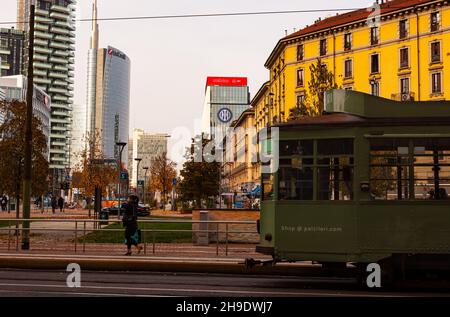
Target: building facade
x: 240, y: 172
x: 108, y: 94
x: 11, y: 51
x: 78, y: 134
x: 15, y: 88
x: 399, y: 54
x: 145, y: 146
x: 112, y: 99
x: 225, y: 99
x: 53, y: 62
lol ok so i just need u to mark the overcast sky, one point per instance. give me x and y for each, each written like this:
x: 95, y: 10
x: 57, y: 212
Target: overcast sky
x: 172, y: 58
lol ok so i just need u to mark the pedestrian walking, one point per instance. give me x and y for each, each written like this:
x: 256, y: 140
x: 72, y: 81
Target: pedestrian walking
x: 61, y: 204
x: 1, y: 202
x: 54, y: 204
x: 130, y: 223
x: 4, y: 203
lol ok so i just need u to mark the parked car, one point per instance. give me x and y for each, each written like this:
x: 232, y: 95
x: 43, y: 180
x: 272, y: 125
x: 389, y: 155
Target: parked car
x: 142, y: 210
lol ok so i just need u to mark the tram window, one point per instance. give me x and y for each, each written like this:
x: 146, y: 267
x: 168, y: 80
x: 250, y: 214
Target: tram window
x: 295, y: 183
x: 393, y: 168
x: 296, y: 147
x: 335, y: 181
x: 335, y: 147
x: 267, y: 187
x: 431, y: 169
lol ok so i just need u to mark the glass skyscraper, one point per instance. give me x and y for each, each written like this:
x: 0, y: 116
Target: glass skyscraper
x: 108, y: 94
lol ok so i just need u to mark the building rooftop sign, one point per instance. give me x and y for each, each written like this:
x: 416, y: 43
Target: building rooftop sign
x: 226, y: 81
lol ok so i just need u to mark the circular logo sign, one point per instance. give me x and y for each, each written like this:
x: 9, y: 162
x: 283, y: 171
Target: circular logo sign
x: 225, y: 115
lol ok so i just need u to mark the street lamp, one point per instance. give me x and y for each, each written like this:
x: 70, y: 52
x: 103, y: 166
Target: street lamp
x: 121, y: 146
x: 145, y: 178
x: 138, y: 160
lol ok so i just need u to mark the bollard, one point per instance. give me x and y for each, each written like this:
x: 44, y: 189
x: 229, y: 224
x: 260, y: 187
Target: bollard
x: 84, y: 237
x: 76, y: 235
x: 145, y: 241
x: 154, y: 240
x: 9, y: 235
x: 226, y: 239
x: 217, y: 240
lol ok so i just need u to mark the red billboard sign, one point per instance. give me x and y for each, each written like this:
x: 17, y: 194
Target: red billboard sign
x: 226, y: 81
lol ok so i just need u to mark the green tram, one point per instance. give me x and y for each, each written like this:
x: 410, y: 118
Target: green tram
x: 367, y: 182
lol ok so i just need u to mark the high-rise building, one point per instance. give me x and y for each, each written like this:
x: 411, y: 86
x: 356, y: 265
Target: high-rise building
x: 11, y: 51
x: 145, y: 146
x: 78, y: 134
x: 108, y: 94
x: 225, y: 99
x: 53, y: 62
x: 15, y: 88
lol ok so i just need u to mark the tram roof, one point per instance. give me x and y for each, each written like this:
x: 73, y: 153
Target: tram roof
x: 346, y: 107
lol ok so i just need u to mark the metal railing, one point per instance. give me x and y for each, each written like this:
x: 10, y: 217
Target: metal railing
x: 80, y: 226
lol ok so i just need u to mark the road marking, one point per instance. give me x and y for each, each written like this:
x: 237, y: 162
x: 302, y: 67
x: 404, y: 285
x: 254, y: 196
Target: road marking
x: 81, y: 294
x: 209, y: 291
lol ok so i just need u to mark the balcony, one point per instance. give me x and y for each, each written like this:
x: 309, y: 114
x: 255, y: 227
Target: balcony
x: 60, y: 98
x: 61, y: 16
x: 40, y: 72
x: 40, y: 19
x: 63, y: 46
x: 42, y: 65
x: 38, y: 80
x: 57, y: 158
x: 53, y: 120
x: 40, y: 42
x: 403, y: 96
x: 59, y: 8
x: 61, y: 106
x: 39, y: 57
x: 61, y: 53
x: 58, y: 30
x: 57, y: 90
x: 43, y: 35
x: 41, y: 27
x: 40, y: 12
x: 60, y: 113
x: 57, y: 75
x: 58, y: 60
x: 58, y: 143
x: 60, y: 83
x: 60, y: 68
x: 62, y: 38
x: 57, y: 151
x: 42, y: 50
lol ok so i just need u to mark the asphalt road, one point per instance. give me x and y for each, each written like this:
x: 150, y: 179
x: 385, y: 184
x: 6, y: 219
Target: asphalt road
x: 53, y: 283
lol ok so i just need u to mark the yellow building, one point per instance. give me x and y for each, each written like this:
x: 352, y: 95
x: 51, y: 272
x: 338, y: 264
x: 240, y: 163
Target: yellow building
x: 402, y: 54
x: 240, y: 173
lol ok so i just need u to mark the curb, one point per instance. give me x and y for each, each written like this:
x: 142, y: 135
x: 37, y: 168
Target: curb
x: 161, y: 265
